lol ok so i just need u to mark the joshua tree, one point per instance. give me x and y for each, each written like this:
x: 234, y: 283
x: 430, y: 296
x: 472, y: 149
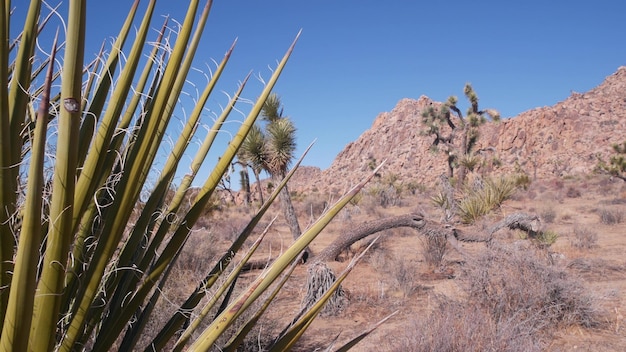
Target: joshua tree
x: 617, y: 163
x: 273, y: 150
x: 279, y: 151
x: 252, y: 154
x: 460, y: 156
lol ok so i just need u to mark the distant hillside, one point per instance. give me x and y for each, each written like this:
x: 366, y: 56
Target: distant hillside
x: 550, y: 141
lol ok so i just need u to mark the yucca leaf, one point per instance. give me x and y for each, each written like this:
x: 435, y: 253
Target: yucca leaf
x: 201, y: 154
x: 131, y: 253
x: 7, y: 186
x: 223, y: 321
x: 93, y: 114
x: 92, y: 75
x: 87, y: 182
x: 364, y: 334
x: 220, y: 291
x: 50, y: 289
x: 218, y: 171
x: 240, y: 336
x: 87, y: 220
x: 295, y: 331
x: 13, y: 121
x: 129, y: 186
x: 18, y: 319
x: 177, y: 320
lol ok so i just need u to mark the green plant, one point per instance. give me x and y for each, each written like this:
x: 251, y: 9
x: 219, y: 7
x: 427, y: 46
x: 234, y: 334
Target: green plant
x: 440, y: 200
x: 83, y: 257
x: 272, y: 149
x: 480, y: 201
x: 547, y: 238
x: 522, y: 180
x: 448, y: 124
x: 470, y: 161
x: 617, y: 162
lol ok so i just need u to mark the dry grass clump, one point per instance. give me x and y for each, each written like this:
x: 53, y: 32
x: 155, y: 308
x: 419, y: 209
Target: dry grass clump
x: 548, y: 214
x: 514, y: 300
x: 434, y: 250
x: 517, y: 282
x: 399, y: 272
x: 459, y: 326
x: 611, y: 216
x: 584, y: 238
x: 597, y: 268
x: 573, y: 192
x: 404, y: 274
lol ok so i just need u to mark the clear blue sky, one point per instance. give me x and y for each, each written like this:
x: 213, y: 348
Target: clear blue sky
x: 356, y: 59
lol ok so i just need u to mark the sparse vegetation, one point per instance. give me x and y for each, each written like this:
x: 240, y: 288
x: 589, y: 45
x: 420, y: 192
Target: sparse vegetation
x: 611, y: 216
x: 584, y: 238
x: 102, y: 250
x: 434, y: 251
x: 514, y: 302
x: 548, y: 214
x: 404, y: 274
x: 546, y: 238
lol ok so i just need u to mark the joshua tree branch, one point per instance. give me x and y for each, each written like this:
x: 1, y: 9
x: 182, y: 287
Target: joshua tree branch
x: 345, y: 240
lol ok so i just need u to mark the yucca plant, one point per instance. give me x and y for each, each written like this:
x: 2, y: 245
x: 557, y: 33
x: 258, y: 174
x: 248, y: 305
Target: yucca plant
x: 83, y: 256
x: 478, y: 202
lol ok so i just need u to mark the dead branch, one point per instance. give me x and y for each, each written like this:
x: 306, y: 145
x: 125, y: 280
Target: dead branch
x: 518, y: 221
x: 344, y: 241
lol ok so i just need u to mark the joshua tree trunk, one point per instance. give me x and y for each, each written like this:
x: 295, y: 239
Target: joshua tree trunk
x: 464, y: 153
x: 259, y: 188
x: 344, y: 241
x: 245, y: 185
x: 290, y: 214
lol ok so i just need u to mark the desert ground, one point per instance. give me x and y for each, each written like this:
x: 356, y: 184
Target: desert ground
x: 511, y: 294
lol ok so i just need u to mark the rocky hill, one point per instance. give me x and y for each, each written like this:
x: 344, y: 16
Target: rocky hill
x: 561, y: 140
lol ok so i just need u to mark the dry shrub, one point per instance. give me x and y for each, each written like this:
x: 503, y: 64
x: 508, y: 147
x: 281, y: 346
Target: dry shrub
x: 597, y: 269
x: 611, y: 216
x: 404, y: 274
x: 548, y: 214
x: 196, y: 260
x: 584, y: 238
x: 370, y: 204
x: 400, y: 272
x: 513, y: 282
x: 311, y: 207
x: 373, y: 296
x: 459, y: 326
x: 385, y: 194
x: 434, y: 250
x: 573, y: 192
x: 228, y: 225
x: 514, y: 301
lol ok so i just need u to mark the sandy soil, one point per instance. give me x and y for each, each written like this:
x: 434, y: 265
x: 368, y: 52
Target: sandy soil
x: 374, y: 293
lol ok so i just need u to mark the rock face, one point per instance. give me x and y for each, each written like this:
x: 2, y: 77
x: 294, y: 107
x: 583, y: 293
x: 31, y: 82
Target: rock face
x: 561, y: 140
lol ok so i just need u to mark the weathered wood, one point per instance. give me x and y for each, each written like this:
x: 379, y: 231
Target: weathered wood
x: 518, y: 221
x: 345, y: 240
